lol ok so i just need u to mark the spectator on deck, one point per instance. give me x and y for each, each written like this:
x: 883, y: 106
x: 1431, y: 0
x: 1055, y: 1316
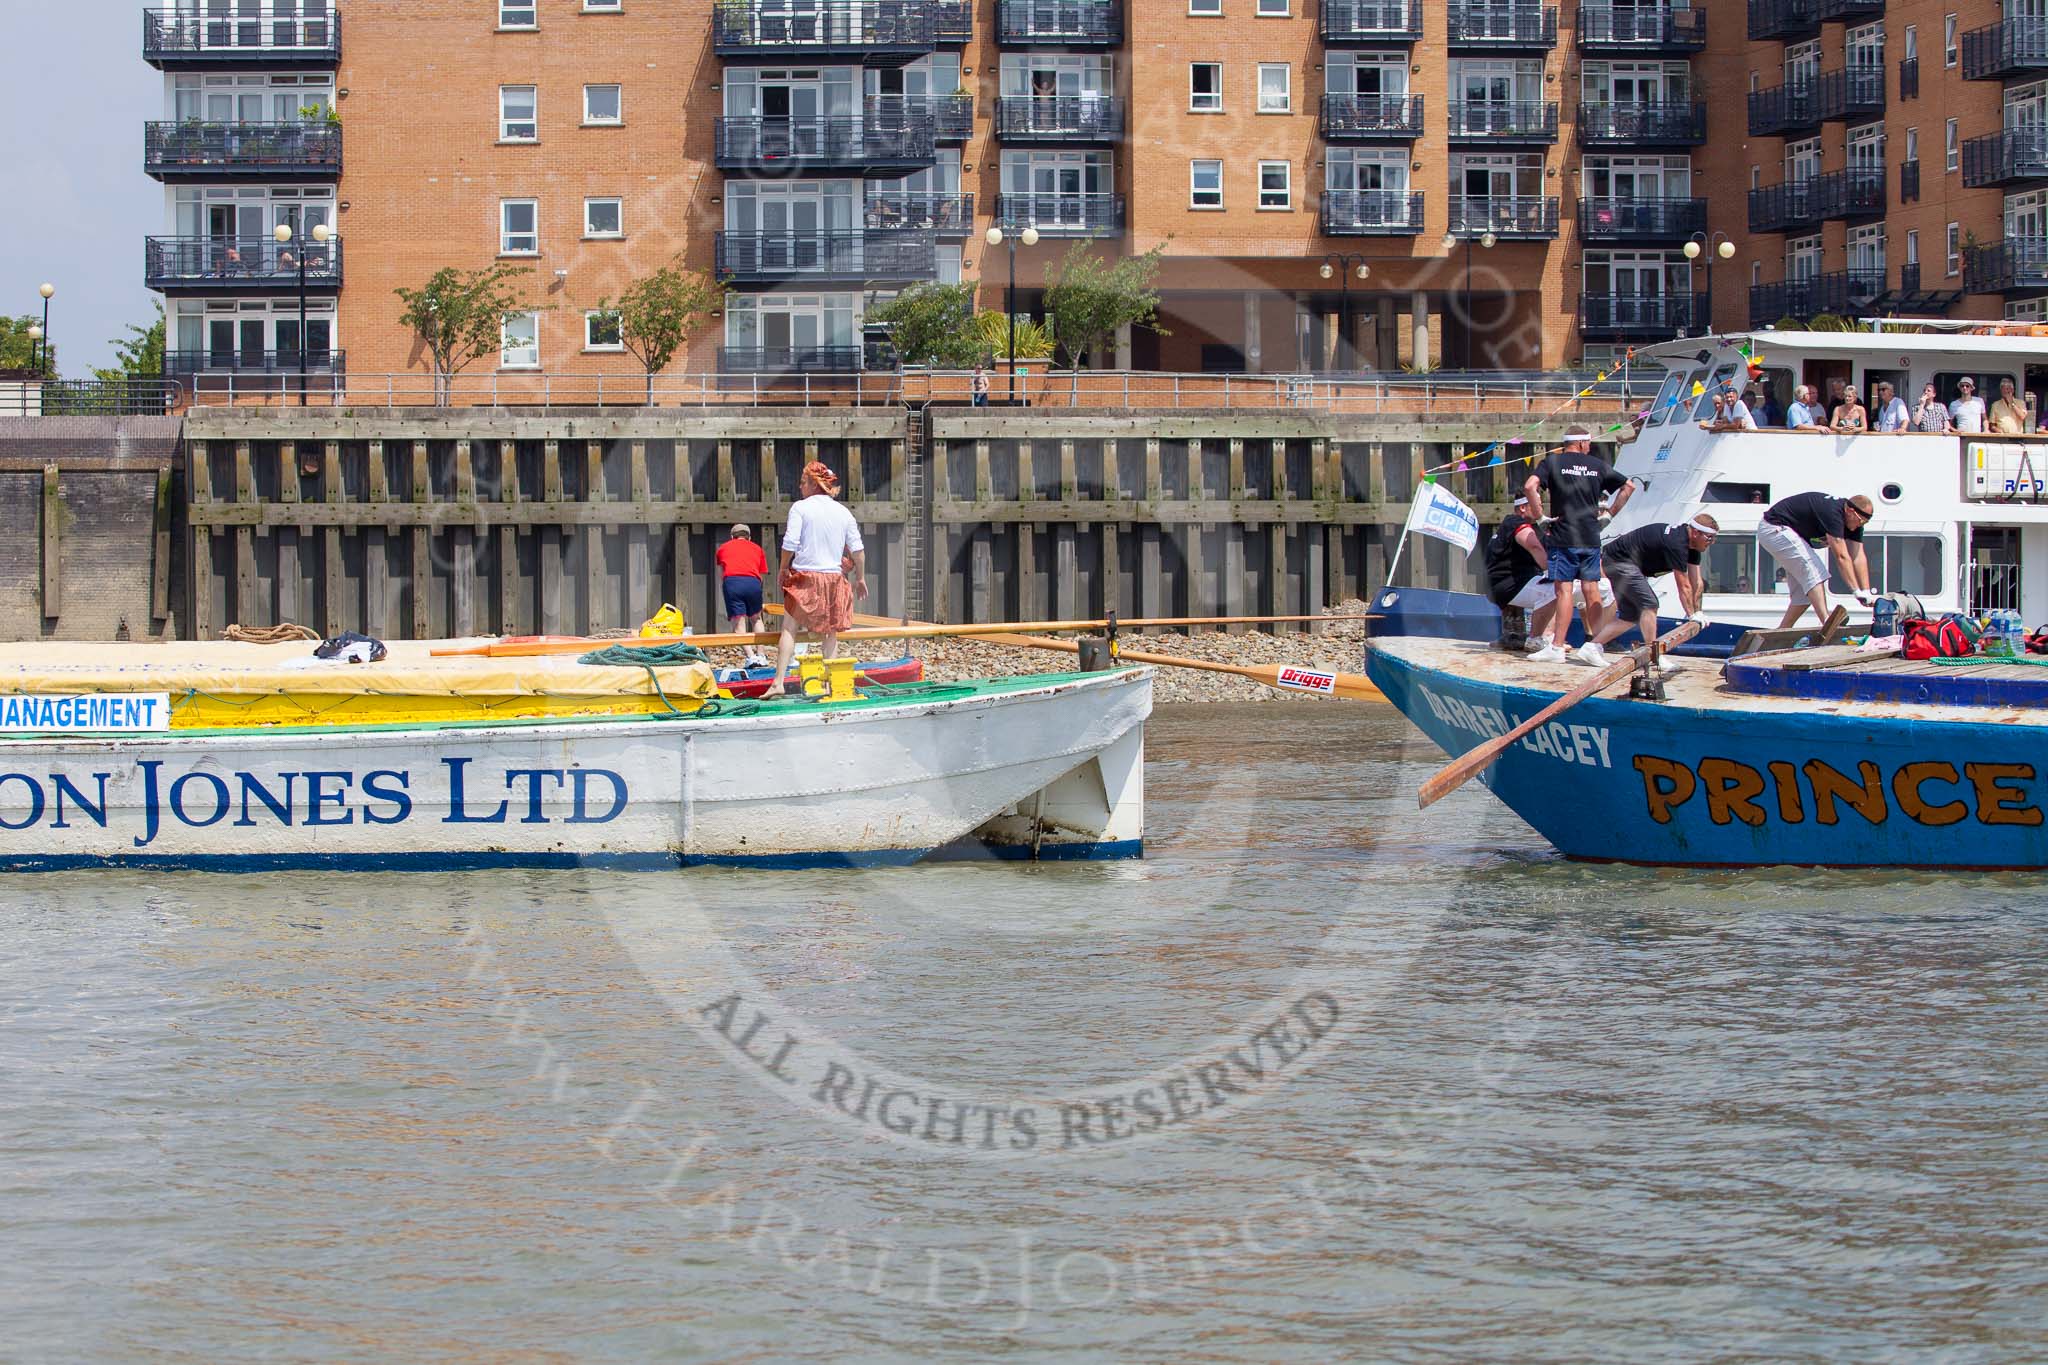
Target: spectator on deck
x: 1968, y: 410
x: 1730, y: 412
x: 1891, y: 409
x: 1764, y: 408
x: 1850, y: 415
x: 2008, y: 413
x: 1932, y: 414
x: 1803, y: 415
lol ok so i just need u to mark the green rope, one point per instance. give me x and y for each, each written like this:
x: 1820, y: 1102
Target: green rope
x: 649, y: 657
x: 1980, y: 660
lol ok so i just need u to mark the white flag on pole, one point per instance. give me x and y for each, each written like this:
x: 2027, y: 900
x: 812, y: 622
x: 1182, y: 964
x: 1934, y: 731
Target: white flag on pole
x: 1438, y: 512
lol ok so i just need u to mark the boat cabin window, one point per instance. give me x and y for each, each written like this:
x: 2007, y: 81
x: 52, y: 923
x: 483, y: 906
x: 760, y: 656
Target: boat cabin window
x: 1729, y: 565
x: 1898, y: 563
x: 1704, y: 409
x: 1945, y: 386
x: 1777, y: 381
x: 1667, y: 402
x: 1721, y: 491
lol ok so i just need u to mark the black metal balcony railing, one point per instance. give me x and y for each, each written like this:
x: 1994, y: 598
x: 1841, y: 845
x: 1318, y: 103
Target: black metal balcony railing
x: 1059, y: 118
x: 952, y: 116
x: 1842, y: 293
x: 851, y: 257
x: 874, y: 32
x: 319, y: 360
x: 954, y: 20
x: 1500, y: 26
x: 838, y: 143
x: 1849, y: 11
x: 1640, y: 123
x: 1790, y: 207
x: 789, y: 359
x: 1371, y: 21
x: 2012, y: 157
x: 273, y: 151
x: 1802, y: 204
x: 1371, y: 213
x: 1641, y: 220
x: 1504, y: 215
x: 1363, y: 118
x: 2012, y: 47
x: 272, y: 32
x: 1530, y: 122
x: 228, y: 265
x: 948, y: 215
x: 1909, y: 181
x: 1643, y: 30
x: 1066, y: 215
x: 1077, y: 23
x: 1782, y: 20
x: 1852, y: 93
x: 1624, y: 316
x: 2016, y: 265
x: 1909, y: 78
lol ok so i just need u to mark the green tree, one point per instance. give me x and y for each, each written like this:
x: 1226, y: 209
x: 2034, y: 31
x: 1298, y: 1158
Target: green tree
x: 140, y: 355
x: 1090, y: 300
x: 18, y: 348
x: 933, y: 324
x: 459, y: 317
x: 657, y: 314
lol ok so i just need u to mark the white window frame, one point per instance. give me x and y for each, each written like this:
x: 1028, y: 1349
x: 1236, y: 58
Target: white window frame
x: 1951, y: 46
x: 1286, y: 70
x: 1195, y: 97
x: 1205, y: 9
x: 604, y: 6
x: 1286, y: 204
x: 592, y: 121
x: 1952, y: 145
x: 1912, y: 144
x: 1955, y: 249
x: 505, y: 233
x: 1195, y: 189
x: 1912, y: 246
x: 1273, y: 9
x: 590, y: 232
x: 590, y: 343
x: 506, y: 123
x: 527, y: 7
x: 1912, y: 52
x: 505, y: 352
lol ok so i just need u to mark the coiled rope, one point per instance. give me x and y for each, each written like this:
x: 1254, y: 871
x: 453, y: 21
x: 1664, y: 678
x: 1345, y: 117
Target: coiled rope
x: 649, y: 657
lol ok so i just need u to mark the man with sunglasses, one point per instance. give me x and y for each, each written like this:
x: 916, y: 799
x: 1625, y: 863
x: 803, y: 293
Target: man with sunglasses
x: 1634, y: 559
x: 1797, y: 528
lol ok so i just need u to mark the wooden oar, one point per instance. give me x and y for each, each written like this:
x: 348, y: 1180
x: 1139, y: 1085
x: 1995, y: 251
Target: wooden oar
x: 1472, y: 764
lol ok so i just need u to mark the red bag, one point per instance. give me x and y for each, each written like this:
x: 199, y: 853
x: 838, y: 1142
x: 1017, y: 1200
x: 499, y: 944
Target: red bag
x: 1934, y: 639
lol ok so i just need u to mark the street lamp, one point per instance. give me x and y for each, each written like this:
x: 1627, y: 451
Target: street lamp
x: 42, y: 350
x: 321, y: 233
x: 1701, y: 245
x: 1451, y: 240
x: 996, y: 237
x: 35, y: 348
x: 1344, y: 264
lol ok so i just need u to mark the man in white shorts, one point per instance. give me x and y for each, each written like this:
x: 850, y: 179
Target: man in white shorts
x: 1797, y: 528
x: 1517, y: 575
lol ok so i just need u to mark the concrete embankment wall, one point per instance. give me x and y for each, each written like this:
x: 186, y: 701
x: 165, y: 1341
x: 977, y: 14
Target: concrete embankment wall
x: 416, y: 523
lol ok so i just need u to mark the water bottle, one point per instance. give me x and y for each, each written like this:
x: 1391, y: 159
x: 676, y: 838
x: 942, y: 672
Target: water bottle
x: 1884, y: 617
x: 2005, y: 636
x: 2015, y: 634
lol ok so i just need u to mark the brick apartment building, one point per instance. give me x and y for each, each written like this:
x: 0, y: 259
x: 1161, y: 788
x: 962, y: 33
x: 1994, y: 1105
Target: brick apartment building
x: 1338, y: 184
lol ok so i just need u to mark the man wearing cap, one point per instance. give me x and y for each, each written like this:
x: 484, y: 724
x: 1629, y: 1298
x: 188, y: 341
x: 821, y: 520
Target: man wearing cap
x: 1633, y: 560
x: 1797, y: 527
x: 820, y: 543
x: 1576, y: 480
x: 1968, y: 409
x: 741, y: 566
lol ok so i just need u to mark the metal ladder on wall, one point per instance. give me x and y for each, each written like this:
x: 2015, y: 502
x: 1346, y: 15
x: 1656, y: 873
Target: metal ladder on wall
x: 917, y: 517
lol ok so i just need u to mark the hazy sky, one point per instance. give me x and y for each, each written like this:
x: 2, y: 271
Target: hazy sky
x: 74, y: 94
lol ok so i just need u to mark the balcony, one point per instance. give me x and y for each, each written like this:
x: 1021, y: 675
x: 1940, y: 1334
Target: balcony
x: 1642, y: 32
x: 1493, y: 26
x: 190, y: 266
x: 796, y: 146
x: 2014, y: 47
x: 1643, y: 123
x: 1532, y: 123
x: 2017, y: 265
x: 1062, y: 215
x: 1909, y: 181
x: 1059, y: 23
x: 1371, y: 213
x: 1855, y: 92
x: 1791, y: 207
x: 1516, y: 216
x: 1783, y: 20
x: 868, y: 32
x: 952, y: 116
x: 955, y: 22
x: 237, y: 151
x: 1348, y: 23
x: 1804, y: 204
x: 789, y: 359
x: 858, y: 257
x: 1842, y: 293
x: 1629, y: 317
x: 1073, y: 119
x: 2013, y: 157
x: 228, y: 360
x: 1372, y: 118
x: 265, y: 33
x: 947, y: 215
x: 1849, y: 11
x: 1909, y: 78
x: 1648, y: 222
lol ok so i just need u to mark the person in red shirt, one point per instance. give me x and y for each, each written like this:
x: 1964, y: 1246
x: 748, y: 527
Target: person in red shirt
x: 743, y: 565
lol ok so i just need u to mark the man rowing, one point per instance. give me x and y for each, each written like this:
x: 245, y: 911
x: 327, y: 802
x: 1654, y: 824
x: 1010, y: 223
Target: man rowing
x: 820, y: 543
x: 1643, y: 554
x: 1575, y: 480
x: 1795, y: 529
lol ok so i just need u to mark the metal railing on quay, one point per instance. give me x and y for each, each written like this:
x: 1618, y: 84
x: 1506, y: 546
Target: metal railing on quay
x: 89, y: 397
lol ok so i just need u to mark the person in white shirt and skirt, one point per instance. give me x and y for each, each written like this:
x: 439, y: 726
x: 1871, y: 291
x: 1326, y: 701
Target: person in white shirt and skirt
x: 821, y: 542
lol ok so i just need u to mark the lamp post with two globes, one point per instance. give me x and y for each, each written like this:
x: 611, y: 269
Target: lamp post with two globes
x: 1702, y: 245
x: 1344, y: 265
x: 321, y: 233
x: 997, y: 237
x: 1487, y: 240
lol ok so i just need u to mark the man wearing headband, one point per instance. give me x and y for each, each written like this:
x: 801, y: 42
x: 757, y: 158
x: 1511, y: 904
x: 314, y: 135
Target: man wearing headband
x: 1516, y: 559
x: 1576, y: 480
x: 1795, y: 530
x: 821, y: 541
x: 1633, y: 560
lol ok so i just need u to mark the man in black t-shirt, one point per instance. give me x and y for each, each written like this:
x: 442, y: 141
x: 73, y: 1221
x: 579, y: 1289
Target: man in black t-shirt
x: 1642, y: 554
x: 1797, y: 527
x: 1517, y: 562
x: 1575, y: 480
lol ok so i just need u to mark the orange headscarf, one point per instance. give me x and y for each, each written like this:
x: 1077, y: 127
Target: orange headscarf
x: 819, y: 473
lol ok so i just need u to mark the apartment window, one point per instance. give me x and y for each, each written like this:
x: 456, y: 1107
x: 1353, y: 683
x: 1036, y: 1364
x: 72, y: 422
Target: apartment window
x: 603, y: 6
x: 1205, y: 184
x: 1955, y: 249
x: 519, y: 342
x: 1276, y: 88
x: 518, y: 14
x: 602, y: 104
x: 518, y: 113
x: 1950, y: 52
x: 603, y: 218
x: 1951, y: 145
x: 1210, y: 8
x: 519, y: 227
x: 1913, y: 247
x: 1273, y: 9
x: 602, y: 331
x: 1205, y: 87
x: 1756, y: 177
x: 1276, y: 184
x: 1912, y: 144
x: 1912, y: 42
x: 1756, y: 273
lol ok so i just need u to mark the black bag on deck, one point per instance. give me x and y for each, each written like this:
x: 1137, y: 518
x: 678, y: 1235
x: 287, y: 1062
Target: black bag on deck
x: 352, y: 648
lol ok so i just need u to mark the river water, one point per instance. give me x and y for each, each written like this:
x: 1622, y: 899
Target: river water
x: 1322, y: 1078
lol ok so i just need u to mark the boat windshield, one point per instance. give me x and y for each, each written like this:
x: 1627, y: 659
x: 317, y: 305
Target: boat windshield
x: 1704, y: 409
x: 1667, y: 398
